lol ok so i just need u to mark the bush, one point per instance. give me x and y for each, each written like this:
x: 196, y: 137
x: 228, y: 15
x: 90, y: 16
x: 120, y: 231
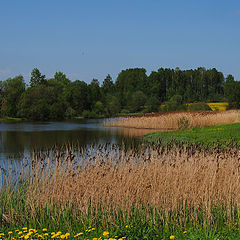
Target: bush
x: 183, y: 123
x: 199, y: 106
x: 70, y: 113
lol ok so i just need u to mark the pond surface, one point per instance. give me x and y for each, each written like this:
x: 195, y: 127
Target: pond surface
x: 18, y: 140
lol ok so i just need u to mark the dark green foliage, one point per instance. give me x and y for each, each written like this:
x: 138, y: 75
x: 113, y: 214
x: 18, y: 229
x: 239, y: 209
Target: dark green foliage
x: 37, y: 78
x: 200, y: 106
x: 112, y: 106
x: 12, y: 90
x: 59, y: 98
x: 137, y: 101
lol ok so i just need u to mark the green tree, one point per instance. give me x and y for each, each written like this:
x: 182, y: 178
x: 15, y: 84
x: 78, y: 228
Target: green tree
x: 130, y: 81
x: 137, y: 102
x: 37, y: 78
x: 12, y: 90
x: 107, y: 85
x: 77, y: 96
x: 112, y: 106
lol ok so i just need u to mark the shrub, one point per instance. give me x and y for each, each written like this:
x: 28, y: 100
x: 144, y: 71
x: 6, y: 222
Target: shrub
x: 183, y: 123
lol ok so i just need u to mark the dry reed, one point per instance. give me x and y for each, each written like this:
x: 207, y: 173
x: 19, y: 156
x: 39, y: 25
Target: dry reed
x: 170, y: 121
x: 113, y: 178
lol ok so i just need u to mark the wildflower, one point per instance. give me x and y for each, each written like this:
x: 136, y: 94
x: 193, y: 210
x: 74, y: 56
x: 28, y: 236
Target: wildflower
x: 185, y: 232
x: 20, y: 232
x: 172, y: 237
x: 10, y: 232
x: 93, y: 229
x: 45, y: 234
x: 105, y: 233
x: 1, y: 234
x: 24, y: 228
x: 62, y: 236
x: 44, y: 229
x: 26, y: 236
x: 79, y: 234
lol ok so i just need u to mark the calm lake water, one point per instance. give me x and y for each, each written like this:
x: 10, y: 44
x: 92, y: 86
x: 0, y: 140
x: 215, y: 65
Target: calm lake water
x: 18, y: 140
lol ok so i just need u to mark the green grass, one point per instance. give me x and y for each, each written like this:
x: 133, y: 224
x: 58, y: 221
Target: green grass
x: 142, y: 222
x: 10, y: 119
x: 221, y: 136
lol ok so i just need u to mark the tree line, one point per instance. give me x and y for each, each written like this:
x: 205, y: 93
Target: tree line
x: 133, y: 91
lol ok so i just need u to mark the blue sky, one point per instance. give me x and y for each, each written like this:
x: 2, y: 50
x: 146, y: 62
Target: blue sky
x: 89, y: 39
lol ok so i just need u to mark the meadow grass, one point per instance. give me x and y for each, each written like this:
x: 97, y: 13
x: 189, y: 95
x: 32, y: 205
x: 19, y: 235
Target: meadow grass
x: 146, y: 193
x: 170, y: 121
x: 217, y: 136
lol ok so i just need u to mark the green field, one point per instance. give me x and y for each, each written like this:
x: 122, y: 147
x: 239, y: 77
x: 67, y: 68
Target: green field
x: 221, y: 136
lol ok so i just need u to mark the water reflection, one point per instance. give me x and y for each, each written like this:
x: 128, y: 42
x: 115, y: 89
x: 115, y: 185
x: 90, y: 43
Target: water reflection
x: 17, y: 140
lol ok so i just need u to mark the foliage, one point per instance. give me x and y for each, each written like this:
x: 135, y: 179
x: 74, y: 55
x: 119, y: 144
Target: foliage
x: 198, y: 106
x: 183, y: 123
x: 12, y: 90
x: 133, y: 90
x: 37, y: 78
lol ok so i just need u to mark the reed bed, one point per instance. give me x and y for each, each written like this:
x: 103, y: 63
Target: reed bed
x: 171, y: 121
x: 171, y: 187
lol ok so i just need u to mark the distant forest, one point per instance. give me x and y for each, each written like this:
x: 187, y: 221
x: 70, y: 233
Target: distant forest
x: 133, y: 91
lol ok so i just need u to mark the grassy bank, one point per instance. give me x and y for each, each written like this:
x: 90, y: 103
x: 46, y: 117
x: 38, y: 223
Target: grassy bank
x: 107, y: 191
x: 221, y: 136
x: 10, y: 119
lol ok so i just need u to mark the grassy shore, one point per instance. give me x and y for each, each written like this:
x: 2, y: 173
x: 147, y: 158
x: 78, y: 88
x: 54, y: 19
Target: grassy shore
x: 10, y: 119
x: 117, y: 193
x: 222, y: 136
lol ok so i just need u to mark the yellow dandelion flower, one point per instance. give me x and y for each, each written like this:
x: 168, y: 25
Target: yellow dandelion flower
x: 40, y: 236
x: 20, y: 232
x: 24, y: 228
x: 44, y: 229
x: 93, y: 229
x: 62, y: 236
x: 185, y: 232
x: 52, y: 233
x: 26, y: 236
x: 79, y: 234
x: 172, y: 237
x: 67, y: 234
x: 10, y: 232
x: 105, y: 233
x: 16, y: 230
x: 1, y: 234
x: 45, y: 234
x: 123, y: 237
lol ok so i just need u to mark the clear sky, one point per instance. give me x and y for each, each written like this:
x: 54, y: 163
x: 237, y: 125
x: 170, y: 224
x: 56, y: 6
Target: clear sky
x: 88, y: 39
